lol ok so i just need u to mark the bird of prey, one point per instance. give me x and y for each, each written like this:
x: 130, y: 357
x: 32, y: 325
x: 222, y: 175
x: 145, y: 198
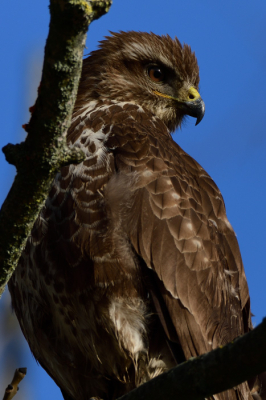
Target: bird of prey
x: 132, y: 265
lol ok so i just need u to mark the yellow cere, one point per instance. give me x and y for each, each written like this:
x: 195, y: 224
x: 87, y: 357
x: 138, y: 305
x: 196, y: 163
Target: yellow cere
x: 193, y: 94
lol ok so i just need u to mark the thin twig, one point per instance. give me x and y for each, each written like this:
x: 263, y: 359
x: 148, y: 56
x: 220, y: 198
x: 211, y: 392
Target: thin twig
x: 12, y: 388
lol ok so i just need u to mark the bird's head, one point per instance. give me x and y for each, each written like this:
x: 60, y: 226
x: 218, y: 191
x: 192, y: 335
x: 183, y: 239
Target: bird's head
x: 155, y: 72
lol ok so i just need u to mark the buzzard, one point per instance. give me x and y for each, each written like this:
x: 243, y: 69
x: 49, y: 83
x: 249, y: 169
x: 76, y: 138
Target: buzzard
x: 132, y: 265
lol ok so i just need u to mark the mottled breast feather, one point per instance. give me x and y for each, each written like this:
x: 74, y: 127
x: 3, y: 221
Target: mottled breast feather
x: 132, y: 265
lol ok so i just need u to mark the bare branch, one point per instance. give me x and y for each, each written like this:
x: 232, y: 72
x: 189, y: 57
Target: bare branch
x: 44, y: 150
x: 12, y: 388
x: 211, y: 373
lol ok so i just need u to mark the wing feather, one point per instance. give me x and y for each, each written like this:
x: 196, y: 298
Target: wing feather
x: 178, y: 225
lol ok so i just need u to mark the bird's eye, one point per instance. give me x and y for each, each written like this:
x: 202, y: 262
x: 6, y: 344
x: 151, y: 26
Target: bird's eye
x: 156, y: 74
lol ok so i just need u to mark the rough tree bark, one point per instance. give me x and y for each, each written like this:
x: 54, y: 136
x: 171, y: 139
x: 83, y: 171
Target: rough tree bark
x: 44, y: 151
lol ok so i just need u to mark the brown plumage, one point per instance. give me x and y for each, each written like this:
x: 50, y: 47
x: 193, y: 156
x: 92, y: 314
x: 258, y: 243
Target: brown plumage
x: 132, y: 265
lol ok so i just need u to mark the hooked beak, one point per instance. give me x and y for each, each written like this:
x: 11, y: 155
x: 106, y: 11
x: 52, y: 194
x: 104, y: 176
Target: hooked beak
x: 195, y: 108
x: 189, y: 102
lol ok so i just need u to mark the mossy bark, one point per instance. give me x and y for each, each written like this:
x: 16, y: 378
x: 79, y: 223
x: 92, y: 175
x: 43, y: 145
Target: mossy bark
x: 45, y: 151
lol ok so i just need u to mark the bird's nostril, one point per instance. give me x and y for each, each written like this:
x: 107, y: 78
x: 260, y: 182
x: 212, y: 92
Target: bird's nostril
x: 191, y: 96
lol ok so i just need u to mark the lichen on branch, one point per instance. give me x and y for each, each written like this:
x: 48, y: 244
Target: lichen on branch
x: 45, y: 150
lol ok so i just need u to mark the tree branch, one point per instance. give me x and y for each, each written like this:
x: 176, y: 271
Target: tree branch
x: 12, y: 388
x: 45, y: 151
x: 211, y: 373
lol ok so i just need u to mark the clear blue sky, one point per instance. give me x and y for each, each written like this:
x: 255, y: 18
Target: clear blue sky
x: 230, y: 143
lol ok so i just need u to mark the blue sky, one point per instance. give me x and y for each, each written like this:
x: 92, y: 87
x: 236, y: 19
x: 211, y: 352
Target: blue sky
x: 230, y: 143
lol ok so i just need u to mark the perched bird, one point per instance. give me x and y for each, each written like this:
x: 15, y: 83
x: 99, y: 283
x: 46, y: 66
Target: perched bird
x: 132, y: 265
